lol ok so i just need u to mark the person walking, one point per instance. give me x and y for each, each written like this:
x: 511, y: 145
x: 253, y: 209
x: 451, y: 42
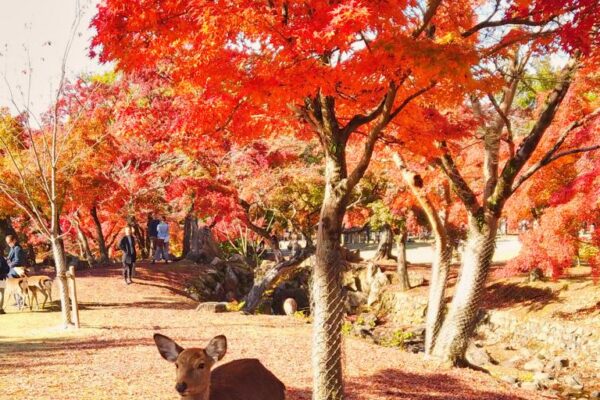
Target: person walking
x: 162, y: 241
x: 152, y: 230
x: 17, y: 261
x: 127, y: 246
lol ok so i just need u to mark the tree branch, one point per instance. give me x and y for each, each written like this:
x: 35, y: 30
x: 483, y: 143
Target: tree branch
x: 427, y: 17
x: 524, y: 21
x: 461, y: 187
x: 513, y: 166
x: 552, y: 155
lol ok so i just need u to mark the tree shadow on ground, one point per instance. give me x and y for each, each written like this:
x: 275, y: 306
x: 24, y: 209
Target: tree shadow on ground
x: 13, y: 346
x: 397, y: 384
x: 579, y: 313
x: 506, y: 295
x: 171, y: 277
x: 167, y: 305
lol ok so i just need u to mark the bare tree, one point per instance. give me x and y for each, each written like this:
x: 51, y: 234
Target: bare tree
x: 39, y: 158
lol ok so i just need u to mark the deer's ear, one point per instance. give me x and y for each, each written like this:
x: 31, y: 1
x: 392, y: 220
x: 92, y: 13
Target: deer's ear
x: 167, y: 348
x: 217, y: 347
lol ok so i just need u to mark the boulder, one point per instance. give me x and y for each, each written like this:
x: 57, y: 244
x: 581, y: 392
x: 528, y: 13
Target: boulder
x: 478, y: 356
x: 354, y: 301
x: 265, y: 307
x: 300, y: 296
x: 231, y: 283
x: 380, y: 281
x: 573, y: 382
x: 290, y: 306
x: 212, y: 307
x: 509, y: 379
x: 535, y: 364
x: 530, y: 386
x: 560, y: 363
x: 236, y: 258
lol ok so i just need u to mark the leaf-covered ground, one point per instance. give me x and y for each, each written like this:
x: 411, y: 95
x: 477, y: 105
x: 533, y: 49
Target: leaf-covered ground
x: 113, y: 356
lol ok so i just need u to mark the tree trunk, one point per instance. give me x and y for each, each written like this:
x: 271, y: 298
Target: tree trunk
x: 85, y: 245
x: 386, y: 242
x: 187, y: 233
x: 61, y: 275
x: 458, y: 326
x: 102, y: 248
x: 31, y: 255
x: 253, y: 298
x: 402, y: 266
x: 442, y: 256
x: 201, y: 244
x: 328, y: 303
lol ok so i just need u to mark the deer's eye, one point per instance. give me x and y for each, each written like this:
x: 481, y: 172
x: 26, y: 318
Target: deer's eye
x: 201, y: 366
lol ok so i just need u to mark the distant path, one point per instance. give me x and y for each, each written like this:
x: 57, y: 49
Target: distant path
x: 113, y: 356
x: 507, y: 248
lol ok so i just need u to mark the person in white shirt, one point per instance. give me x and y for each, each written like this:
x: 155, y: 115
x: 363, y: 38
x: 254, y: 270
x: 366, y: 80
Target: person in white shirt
x: 162, y: 241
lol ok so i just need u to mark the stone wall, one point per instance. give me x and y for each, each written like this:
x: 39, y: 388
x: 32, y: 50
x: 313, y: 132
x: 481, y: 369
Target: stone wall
x: 404, y: 308
x: 580, y: 342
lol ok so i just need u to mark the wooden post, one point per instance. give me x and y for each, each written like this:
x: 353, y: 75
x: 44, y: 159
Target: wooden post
x: 73, y: 296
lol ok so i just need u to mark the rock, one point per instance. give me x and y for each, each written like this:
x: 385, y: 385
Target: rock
x: 511, y: 362
x: 354, y: 301
x: 561, y: 362
x: 231, y: 283
x: 595, y: 394
x: 418, y: 332
x: 290, y: 306
x: 530, y: 386
x: 534, y: 364
x: 415, y: 279
x: 573, y: 382
x: 300, y: 295
x: 542, y: 376
x: 367, y: 319
x: 509, y: 379
x: 264, y: 307
x: 236, y: 258
x: 478, y: 356
x: 212, y: 307
x: 380, y: 280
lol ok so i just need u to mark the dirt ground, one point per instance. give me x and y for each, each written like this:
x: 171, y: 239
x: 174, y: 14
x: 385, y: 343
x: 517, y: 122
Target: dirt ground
x: 113, y: 355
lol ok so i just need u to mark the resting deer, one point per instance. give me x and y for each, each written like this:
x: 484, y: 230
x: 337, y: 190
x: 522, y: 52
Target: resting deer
x: 41, y: 284
x: 19, y: 289
x: 244, y: 379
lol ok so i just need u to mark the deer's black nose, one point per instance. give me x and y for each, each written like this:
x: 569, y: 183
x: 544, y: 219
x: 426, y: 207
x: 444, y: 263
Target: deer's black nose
x: 181, y: 387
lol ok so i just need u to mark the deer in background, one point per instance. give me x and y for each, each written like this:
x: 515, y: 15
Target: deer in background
x: 18, y: 288
x: 244, y: 379
x: 39, y: 284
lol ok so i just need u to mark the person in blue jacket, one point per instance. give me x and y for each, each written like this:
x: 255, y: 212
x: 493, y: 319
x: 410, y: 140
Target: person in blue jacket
x: 16, y: 257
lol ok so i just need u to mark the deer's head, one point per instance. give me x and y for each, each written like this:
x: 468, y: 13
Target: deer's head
x: 192, y: 365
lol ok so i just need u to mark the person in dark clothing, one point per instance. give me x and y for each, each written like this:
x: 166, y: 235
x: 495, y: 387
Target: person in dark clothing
x: 127, y: 246
x: 152, y: 229
x: 16, y: 257
x: 4, y: 270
